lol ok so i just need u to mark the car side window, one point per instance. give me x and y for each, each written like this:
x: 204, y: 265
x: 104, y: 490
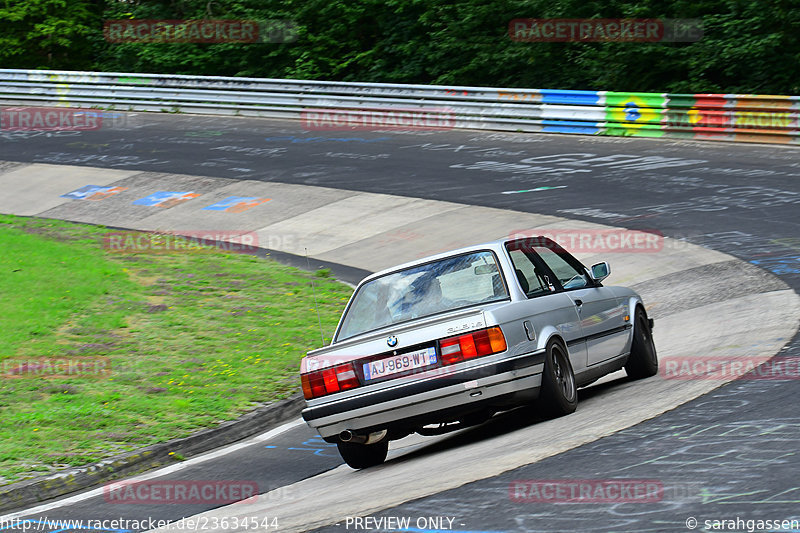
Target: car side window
x: 569, y: 276
x: 531, y: 279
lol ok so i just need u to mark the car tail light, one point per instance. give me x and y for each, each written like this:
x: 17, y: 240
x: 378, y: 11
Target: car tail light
x: 329, y: 380
x: 473, y: 344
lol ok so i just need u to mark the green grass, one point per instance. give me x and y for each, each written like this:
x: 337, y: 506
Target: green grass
x: 191, y: 340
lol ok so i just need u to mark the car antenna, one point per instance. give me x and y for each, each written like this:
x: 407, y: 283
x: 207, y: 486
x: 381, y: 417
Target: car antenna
x: 316, y: 307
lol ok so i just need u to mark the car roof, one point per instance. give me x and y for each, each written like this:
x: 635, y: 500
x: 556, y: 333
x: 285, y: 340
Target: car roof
x: 496, y: 246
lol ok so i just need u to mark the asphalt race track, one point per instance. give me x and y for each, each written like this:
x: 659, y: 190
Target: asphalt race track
x: 729, y: 454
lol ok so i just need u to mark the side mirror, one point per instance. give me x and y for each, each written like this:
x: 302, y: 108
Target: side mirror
x: 601, y: 271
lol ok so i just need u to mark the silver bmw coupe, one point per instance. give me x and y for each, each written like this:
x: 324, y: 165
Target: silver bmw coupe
x: 447, y: 341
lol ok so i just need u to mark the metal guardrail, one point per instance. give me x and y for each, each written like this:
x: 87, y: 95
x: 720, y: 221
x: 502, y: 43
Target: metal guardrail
x: 325, y: 105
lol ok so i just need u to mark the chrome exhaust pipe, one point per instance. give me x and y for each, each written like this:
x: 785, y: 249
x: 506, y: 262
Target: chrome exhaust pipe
x: 362, y: 438
x: 346, y: 436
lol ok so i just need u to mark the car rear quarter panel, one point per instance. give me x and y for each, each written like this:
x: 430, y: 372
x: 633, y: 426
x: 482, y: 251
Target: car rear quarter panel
x: 551, y: 316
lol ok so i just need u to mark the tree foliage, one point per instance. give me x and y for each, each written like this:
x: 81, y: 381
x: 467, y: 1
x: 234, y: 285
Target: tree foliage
x: 748, y: 46
x: 56, y: 34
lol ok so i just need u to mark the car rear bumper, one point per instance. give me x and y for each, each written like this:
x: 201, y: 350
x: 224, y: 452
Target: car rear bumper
x: 409, y: 400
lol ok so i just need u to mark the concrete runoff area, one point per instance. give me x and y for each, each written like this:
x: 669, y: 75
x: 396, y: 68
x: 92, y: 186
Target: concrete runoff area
x: 33, y: 189
x: 283, y: 202
x: 352, y: 220
x: 374, y: 231
x: 448, y: 230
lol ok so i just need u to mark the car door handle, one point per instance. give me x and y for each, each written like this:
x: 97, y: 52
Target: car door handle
x: 578, y: 303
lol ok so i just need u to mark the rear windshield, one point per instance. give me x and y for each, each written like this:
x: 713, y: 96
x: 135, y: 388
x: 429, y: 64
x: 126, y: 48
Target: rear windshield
x: 444, y: 285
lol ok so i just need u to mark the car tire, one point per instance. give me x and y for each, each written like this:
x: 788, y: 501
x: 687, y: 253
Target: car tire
x: 360, y: 456
x: 559, y: 393
x: 643, y: 361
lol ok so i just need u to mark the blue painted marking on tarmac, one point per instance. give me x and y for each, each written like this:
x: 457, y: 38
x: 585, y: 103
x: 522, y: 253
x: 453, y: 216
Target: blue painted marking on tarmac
x: 236, y: 204
x: 161, y: 197
x: 230, y: 201
x: 787, y: 264
x: 85, y: 192
x: 317, y: 445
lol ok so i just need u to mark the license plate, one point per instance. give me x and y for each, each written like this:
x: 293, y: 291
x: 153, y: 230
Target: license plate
x: 397, y: 364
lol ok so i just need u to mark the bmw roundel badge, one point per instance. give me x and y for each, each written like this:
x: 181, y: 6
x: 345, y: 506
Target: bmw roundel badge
x: 392, y: 341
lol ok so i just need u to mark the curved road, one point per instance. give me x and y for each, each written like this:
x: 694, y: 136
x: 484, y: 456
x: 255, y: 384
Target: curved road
x: 727, y: 455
